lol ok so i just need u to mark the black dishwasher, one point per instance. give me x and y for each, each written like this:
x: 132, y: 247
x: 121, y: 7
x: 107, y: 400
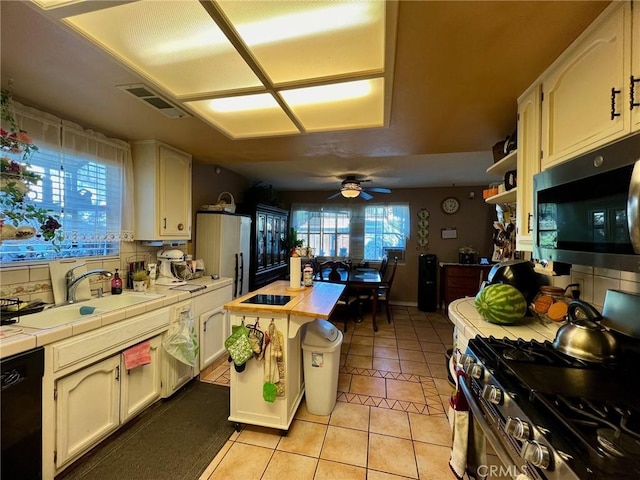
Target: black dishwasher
x: 21, y: 420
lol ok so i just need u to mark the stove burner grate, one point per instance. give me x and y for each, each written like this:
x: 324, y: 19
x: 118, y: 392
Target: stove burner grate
x: 617, y: 443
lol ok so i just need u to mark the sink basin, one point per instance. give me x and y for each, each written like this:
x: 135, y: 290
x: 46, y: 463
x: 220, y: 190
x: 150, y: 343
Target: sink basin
x: 113, y: 302
x: 57, y: 316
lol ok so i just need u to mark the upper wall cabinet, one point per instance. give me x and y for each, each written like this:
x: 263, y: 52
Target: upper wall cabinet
x: 162, y: 176
x: 586, y: 90
x: 528, y: 163
x: 634, y: 98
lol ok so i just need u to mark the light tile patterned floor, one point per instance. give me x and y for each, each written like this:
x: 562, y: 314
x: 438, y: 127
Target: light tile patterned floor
x: 389, y: 421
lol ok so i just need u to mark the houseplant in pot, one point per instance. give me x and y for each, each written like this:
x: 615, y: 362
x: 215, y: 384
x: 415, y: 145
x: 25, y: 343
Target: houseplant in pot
x: 140, y: 279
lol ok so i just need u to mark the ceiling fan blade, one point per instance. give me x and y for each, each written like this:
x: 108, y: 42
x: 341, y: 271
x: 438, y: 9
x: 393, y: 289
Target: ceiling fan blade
x: 334, y: 195
x: 379, y: 190
x: 365, y: 195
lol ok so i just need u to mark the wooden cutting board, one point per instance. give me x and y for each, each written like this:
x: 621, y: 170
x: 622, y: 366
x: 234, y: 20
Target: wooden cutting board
x: 57, y: 270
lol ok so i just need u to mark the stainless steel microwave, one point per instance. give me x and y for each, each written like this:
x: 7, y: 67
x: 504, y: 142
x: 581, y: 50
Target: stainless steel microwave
x: 587, y: 210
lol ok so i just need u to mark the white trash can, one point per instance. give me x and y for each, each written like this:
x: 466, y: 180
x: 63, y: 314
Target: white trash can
x: 321, y: 342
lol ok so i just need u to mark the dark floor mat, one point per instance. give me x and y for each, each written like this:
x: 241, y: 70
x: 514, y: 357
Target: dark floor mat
x: 174, y: 439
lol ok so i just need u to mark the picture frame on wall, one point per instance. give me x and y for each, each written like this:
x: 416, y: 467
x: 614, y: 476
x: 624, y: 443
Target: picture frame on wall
x: 449, y: 233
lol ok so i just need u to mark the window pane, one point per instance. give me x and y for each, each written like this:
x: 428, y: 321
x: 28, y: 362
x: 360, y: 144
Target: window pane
x: 337, y: 231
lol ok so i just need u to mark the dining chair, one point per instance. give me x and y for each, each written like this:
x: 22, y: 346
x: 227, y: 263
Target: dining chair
x: 331, y: 271
x: 384, y: 291
x: 383, y: 265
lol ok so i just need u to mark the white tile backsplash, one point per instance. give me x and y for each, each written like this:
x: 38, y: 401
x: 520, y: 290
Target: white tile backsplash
x: 594, y: 282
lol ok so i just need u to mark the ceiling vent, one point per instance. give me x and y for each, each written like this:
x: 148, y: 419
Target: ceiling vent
x: 153, y: 99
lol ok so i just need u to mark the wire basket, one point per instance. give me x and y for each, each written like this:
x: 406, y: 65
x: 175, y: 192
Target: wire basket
x: 7, y: 314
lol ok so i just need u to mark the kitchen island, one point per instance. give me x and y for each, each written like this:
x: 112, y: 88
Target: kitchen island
x: 281, y: 310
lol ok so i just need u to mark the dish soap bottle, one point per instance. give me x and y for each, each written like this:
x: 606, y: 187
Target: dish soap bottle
x: 116, y: 284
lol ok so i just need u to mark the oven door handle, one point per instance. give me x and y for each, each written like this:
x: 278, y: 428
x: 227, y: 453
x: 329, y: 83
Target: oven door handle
x: 633, y: 208
x: 478, y: 416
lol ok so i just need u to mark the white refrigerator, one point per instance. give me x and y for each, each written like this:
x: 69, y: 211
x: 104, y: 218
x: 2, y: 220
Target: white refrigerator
x: 223, y: 241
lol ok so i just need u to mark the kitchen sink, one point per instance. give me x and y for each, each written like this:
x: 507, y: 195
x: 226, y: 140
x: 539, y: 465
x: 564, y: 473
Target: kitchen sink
x: 56, y: 316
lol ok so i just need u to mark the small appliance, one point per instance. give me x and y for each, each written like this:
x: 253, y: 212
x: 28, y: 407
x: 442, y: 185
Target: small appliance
x: 167, y: 259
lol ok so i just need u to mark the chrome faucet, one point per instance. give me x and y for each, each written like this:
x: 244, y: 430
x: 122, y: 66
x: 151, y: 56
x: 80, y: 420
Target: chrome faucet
x: 72, y: 281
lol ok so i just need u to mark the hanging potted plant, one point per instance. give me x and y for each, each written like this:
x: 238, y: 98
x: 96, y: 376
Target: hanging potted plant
x: 20, y: 217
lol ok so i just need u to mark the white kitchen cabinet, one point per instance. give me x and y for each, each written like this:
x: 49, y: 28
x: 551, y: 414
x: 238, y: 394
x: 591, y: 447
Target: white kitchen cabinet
x: 213, y: 323
x: 528, y: 164
x: 141, y: 386
x: 635, y: 67
x: 162, y: 196
x: 586, y: 90
x: 87, y: 408
x: 214, y: 329
x: 175, y: 373
x: 96, y: 400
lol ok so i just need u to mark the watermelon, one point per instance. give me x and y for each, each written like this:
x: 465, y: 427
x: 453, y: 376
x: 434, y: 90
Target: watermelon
x: 501, y: 303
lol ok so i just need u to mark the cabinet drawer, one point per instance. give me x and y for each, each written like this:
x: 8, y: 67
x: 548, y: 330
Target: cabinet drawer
x: 463, y: 282
x: 212, y: 300
x: 464, y: 272
x: 106, y: 339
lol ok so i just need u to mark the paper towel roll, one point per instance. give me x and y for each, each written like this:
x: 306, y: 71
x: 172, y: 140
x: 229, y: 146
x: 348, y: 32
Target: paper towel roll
x: 295, y: 273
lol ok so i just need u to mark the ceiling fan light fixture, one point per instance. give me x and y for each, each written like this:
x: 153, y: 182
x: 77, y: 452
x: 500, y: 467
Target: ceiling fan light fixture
x: 349, y: 193
x: 350, y: 189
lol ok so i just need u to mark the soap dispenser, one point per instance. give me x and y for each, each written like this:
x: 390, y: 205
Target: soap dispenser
x: 116, y: 284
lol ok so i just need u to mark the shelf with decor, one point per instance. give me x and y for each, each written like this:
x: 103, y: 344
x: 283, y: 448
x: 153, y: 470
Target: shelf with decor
x: 508, y: 196
x: 503, y: 165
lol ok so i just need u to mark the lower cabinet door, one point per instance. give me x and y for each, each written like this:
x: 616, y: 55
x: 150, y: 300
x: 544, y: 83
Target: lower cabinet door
x: 213, y: 332
x: 141, y: 386
x: 87, y: 408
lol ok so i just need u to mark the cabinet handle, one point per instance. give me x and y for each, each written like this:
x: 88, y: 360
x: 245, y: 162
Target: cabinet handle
x: 165, y: 222
x: 632, y: 96
x: 614, y: 92
x: 118, y: 372
x: 180, y: 226
x: 529, y: 217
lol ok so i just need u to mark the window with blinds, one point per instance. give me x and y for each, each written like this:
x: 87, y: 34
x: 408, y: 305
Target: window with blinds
x: 359, y: 232
x: 85, y: 193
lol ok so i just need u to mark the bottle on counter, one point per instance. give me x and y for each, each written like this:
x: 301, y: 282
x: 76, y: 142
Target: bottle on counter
x: 308, y: 275
x: 116, y: 284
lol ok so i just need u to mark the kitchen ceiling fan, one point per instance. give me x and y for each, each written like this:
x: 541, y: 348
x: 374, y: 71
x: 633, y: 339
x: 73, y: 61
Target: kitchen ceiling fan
x: 351, y: 188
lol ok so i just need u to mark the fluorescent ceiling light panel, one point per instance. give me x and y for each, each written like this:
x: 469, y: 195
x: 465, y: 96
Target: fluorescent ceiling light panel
x: 302, y: 40
x: 49, y: 4
x: 349, y: 107
x: 175, y: 44
x: 235, y: 117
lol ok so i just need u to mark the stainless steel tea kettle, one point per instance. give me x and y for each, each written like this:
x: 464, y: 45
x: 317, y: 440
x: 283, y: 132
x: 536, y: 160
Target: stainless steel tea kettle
x: 584, y: 338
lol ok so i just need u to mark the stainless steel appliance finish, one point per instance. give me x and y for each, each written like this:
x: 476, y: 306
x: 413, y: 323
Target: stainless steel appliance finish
x: 553, y: 416
x: 588, y: 209
x: 21, y: 415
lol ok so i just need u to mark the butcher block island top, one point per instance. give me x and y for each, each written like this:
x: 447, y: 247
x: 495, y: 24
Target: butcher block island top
x: 317, y: 301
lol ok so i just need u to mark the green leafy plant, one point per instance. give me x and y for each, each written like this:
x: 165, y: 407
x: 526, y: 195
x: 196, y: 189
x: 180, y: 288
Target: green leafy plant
x: 20, y: 217
x: 140, y: 276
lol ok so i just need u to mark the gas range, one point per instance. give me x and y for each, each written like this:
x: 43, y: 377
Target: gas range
x: 553, y: 416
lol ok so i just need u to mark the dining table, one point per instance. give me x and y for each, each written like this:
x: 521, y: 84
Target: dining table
x: 360, y: 280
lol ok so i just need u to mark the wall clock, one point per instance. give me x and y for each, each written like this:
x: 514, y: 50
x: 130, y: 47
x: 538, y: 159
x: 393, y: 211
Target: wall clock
x: 450, y: 205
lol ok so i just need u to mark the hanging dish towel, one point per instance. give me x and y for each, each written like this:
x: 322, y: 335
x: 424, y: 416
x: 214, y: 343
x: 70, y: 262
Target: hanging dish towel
x: 274, y: 367
x: 467, y: 446
x: 137, y: 355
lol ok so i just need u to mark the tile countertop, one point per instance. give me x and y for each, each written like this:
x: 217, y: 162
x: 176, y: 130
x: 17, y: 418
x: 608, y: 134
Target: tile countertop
x: 469, y: 323
x: 15, y: 339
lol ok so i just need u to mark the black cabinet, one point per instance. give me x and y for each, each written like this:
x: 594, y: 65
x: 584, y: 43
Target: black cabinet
x: 268, y: 245
x: 427, y: 284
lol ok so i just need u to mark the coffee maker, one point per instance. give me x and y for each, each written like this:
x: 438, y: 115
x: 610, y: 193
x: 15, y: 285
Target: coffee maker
x: 167, y: 258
